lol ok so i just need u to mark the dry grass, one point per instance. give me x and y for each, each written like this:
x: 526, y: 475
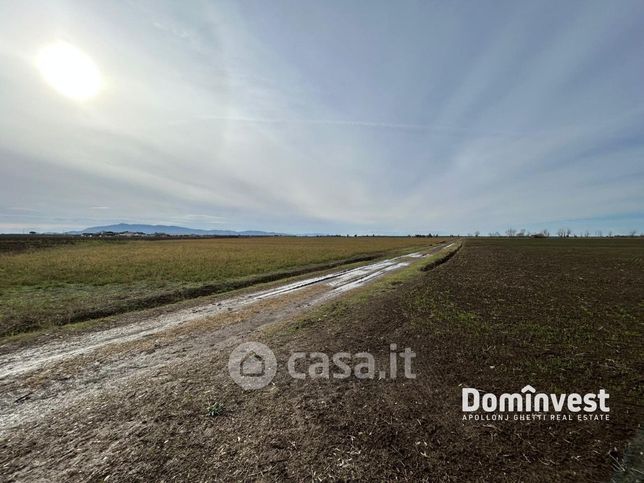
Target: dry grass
x: 58, y: 285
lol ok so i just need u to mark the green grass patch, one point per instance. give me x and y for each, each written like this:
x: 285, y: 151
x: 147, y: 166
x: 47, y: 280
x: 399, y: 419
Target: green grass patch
x: 67, y: 283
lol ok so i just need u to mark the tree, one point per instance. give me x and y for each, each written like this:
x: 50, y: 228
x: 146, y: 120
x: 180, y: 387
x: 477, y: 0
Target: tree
x: 510, y: 232
x: 477, y: 233
x: 545, y: 232
x: 561, y: 232
x: 632, y: 233
x: 599, y: 233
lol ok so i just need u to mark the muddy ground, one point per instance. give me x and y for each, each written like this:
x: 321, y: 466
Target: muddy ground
x: 561, y: 315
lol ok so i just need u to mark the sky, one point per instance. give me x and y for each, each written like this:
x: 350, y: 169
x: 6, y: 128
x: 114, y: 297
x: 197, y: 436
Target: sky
x: 334, y: 117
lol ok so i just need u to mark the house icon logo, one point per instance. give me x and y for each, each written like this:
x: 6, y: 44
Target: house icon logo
x: 252, y: 365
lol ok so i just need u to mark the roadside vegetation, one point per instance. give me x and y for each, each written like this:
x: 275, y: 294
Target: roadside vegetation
x: 55, y: 283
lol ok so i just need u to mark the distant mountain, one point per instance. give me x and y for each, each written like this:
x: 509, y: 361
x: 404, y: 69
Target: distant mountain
x: 169, y: 230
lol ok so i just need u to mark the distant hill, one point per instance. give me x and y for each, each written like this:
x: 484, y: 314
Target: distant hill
x: 169, y: 230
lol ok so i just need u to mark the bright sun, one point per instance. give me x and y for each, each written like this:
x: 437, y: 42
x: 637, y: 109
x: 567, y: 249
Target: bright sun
x: 69, y: 70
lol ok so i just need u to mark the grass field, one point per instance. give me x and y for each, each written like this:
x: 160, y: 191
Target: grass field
x: 75, y: 279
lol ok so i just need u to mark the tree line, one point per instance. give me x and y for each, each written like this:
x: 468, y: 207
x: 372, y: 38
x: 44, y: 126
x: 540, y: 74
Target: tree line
x: 561, y: 233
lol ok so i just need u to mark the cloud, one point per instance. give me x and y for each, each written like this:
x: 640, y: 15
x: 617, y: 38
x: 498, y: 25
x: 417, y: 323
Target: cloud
x: 328, y: 117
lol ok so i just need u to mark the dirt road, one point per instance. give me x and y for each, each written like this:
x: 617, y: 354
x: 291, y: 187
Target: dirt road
x: 36, y: 380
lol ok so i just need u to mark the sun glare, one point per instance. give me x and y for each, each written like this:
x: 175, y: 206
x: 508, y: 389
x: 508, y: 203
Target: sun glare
x: 69, y: 70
